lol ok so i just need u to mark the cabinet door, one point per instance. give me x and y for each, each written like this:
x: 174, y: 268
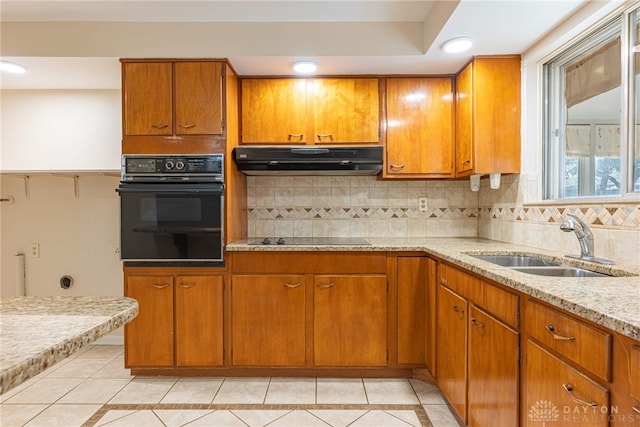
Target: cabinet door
x: 147, y: 97
x: 452, y: 349
x: 345, y: 110
x: 268, y: 320
x: 412, y: 297
x: 274, y: 111
x: 557, y: 393
x: 149, y: 337
x: 464, y: 121
x: 350, y: 320
x: 198, y: 98
x: 198, y: 302
x: 420, y: 138
x: 493, y: 372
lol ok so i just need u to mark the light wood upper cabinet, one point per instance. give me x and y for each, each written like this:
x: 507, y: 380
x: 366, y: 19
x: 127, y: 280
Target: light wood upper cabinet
x: 345, y: 110
x: 274, y: 111
x: 488, y: 116
x: 198, y: 98
x: 172, y: 98
x: 198, y: 318
x: 147, y: 98
x: 310, y: 111
x: 350, y: 320
x: 420, y: 127
x: 268, y: 315
x: 149, y: 337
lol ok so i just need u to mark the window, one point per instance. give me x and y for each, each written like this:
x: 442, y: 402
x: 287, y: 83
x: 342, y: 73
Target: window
x: 592, y: 114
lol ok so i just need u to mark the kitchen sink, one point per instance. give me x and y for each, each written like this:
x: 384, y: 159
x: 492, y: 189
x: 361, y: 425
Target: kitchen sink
x: 532, y: 264
x: 516, y: 260
x: 559, y: 271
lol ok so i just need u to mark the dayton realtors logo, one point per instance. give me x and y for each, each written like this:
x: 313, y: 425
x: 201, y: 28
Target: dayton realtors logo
x: 544, y: 411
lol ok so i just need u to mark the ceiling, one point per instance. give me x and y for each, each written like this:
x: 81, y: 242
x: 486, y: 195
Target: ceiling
x: 76, y: 44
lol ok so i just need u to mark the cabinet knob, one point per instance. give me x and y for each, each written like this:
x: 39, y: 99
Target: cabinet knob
x: 325, y: 135
x: 466, y: 162
x: 553, y: 333
x: 295, y: 135
x: 457, y: 309
x: 396, y: 168
x: 187, y: 126
x: 292, y: 285
x: 160, y: 126
x: 570, y: 392
x: 187, y: 285
x: 637, y: 409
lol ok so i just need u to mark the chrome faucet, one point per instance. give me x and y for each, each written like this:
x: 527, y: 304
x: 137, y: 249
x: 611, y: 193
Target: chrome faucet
x: 585, y: 238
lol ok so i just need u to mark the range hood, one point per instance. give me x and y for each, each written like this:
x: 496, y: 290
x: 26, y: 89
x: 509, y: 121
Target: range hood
x: 308, y: 160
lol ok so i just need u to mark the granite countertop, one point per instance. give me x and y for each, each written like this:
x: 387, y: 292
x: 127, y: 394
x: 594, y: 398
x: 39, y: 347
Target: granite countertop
x: 38, y: 331
x: 613, y: 302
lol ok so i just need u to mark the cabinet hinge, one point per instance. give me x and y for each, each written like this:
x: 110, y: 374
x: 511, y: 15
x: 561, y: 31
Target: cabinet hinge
x: 222, y: 124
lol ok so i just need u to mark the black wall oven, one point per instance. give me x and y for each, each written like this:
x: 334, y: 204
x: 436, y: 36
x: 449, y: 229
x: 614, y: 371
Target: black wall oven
x: 171, y: 208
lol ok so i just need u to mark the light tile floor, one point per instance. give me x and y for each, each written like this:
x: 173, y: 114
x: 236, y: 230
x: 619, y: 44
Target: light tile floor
x: 92, y: 388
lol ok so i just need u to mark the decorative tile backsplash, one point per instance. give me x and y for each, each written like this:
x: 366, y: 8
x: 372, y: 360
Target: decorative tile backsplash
x: 367, y: 207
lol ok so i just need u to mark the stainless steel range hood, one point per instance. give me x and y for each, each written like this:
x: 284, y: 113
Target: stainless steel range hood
x: 308, y: 160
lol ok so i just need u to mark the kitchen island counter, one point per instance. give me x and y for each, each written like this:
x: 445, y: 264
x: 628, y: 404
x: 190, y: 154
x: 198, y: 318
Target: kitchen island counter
x: 613, y: 302
x: 38, y: 331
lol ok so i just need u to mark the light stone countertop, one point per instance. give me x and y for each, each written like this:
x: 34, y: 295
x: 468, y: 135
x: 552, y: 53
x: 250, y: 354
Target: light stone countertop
x: 613, y: 302
x: 38, y: 331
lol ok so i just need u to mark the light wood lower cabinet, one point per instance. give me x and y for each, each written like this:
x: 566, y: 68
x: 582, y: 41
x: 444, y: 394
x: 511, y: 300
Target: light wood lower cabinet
x: 268, y: 320
x: 412, y: 278
x: 198, y: 320
x: 452, y: 349
x: 149, y: 337
x: 180, y: 320
x: 477, y: 352
x: 493, y: 371
x: 559, y: 394
x: 350, y: 320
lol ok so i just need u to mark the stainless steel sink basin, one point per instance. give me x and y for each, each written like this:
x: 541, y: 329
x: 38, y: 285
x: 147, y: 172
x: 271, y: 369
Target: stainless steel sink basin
x: 515, y: 260
x: 559, y: 271
x: 531, y: 264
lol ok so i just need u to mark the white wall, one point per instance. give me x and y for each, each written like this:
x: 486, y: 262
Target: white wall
x: 50, y: 130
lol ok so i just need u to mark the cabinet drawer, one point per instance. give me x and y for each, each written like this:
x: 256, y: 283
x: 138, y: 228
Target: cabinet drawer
x: 575, y: 340
x: 557, y: 393
x: 498, y: 302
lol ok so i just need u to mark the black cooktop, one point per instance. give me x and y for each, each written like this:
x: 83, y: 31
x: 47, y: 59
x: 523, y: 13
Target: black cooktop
x: 311, y: 241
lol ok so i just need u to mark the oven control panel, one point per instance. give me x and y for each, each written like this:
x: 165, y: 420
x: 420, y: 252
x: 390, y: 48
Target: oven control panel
x: 169, y: 167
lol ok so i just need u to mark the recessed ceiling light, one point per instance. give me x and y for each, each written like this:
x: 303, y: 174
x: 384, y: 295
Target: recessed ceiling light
x: 11, y: 67
x: 305, y: 67
x: 457, y: 45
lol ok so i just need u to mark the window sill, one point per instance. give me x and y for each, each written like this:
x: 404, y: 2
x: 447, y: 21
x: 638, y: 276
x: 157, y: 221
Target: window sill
x: 628, y: 199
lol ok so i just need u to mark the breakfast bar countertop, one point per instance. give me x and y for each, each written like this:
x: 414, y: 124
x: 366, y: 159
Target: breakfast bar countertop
x: 39, y: 331
x: 612, y: 301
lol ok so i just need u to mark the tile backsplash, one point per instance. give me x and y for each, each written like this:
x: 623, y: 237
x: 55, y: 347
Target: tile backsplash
x: 335, y: 206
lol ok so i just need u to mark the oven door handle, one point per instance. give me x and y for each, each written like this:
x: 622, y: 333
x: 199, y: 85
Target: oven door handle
x: 219, y: 190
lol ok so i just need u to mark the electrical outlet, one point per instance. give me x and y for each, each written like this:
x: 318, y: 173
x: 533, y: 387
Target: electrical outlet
x: 422, y: 204
x: 116, y: 252
x: 34, y: 250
